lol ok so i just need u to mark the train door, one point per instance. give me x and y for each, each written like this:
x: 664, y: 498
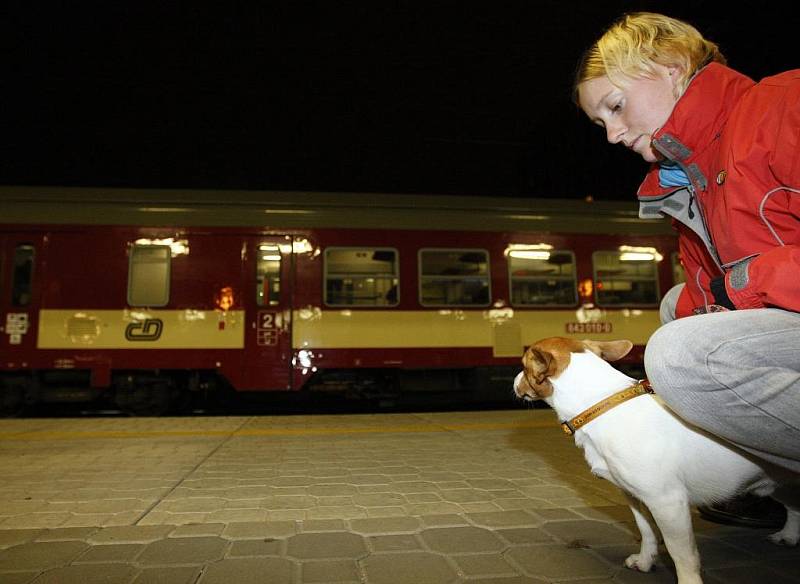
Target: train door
x: 268, y: 305
x: 19, y: 277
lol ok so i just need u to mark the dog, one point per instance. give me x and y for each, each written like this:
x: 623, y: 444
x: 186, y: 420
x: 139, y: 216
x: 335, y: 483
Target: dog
x: 660, y: 462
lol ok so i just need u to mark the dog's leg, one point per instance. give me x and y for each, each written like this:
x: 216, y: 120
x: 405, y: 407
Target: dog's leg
x: 790, y: 534
x: 643, y: 561
x: 789, y: 496
x: 674, y: 519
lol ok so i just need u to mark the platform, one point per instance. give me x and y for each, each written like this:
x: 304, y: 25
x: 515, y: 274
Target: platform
x: 501, y: 497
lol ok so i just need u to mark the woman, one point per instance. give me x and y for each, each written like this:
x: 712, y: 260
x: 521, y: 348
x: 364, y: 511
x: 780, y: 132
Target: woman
x: 725, y: 155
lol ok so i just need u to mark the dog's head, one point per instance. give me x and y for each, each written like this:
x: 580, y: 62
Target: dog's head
x: 548, y: 358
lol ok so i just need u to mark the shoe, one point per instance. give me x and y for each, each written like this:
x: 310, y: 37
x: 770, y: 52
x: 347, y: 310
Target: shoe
x: 747, y: 510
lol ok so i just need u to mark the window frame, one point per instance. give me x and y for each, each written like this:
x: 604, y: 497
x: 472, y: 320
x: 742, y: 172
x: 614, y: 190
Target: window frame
x: 421, y: 277
x: 15, y: 284
x: 325, y: 273
x: 574, y: 283
x: 168, y: 277
x: 656, y: 279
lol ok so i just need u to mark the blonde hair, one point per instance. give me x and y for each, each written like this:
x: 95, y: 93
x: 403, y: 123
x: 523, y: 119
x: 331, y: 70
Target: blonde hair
x: 635, y: 42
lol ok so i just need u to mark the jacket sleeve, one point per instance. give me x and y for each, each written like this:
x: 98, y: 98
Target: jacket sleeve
x: 771, y: 279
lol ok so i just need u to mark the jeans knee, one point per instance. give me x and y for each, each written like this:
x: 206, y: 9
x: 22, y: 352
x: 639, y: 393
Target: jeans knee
x: 668, y: 361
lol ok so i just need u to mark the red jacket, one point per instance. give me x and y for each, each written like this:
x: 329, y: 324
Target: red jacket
x: 739, y: 144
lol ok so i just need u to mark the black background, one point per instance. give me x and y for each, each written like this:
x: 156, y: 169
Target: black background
x: 429, y: 97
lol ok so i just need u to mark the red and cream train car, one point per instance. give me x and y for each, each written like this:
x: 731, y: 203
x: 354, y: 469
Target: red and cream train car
x: 142, y: 295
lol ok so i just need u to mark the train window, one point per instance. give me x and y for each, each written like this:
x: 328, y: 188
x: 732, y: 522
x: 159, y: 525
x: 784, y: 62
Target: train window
x: 361, y: 276
x: 268, y: 275
x: 542, y: 278
x: 149, y: 275
x: 678, y: 275
x: 23, y: 275
x: 623, y: 277
x: 454, y: 277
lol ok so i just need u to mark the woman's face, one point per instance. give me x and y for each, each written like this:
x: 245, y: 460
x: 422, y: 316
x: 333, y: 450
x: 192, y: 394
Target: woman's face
x: 631, y: 114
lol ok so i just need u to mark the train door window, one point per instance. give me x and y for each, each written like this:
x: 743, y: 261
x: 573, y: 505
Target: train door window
x: 149, y: 275
x: 541, y: 277
x: 454, y: 277
x: 361, y: 276
x: 268, y: 275
x: 678, y: 275
x: 23, y: 275
x: 626, y: 277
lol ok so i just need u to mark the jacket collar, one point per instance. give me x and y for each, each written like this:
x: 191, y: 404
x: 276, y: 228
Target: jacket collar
x: 696, y: 122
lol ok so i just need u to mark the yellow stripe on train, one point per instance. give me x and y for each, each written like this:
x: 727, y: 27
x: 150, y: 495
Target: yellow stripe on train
x: 141, y: 329
x: 505, y: 330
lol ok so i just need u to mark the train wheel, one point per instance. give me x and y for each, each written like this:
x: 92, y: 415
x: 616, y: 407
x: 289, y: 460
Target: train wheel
x: 145, y: 399
x: 12, y: 396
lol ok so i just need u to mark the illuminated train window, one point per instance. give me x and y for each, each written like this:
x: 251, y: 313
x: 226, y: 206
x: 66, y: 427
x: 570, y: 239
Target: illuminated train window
x: 23, y: 275
x: 268, y: 275
x: 624, y: 277
x: 542, y: 278
x: 454, y: 277
x: 149, y: 275
x: 361, y: 276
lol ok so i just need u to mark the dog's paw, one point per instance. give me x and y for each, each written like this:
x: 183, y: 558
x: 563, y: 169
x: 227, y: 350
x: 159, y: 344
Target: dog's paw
x: 639, y: 562
x: 785, y: 537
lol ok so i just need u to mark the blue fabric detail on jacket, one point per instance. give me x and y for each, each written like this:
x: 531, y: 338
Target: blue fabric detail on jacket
x: 670, y: 174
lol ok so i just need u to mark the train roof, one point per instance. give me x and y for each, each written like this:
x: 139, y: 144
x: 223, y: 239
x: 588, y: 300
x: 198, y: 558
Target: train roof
x: 301, y: 209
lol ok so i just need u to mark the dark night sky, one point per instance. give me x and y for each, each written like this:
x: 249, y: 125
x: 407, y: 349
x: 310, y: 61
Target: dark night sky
x: 428, y: 97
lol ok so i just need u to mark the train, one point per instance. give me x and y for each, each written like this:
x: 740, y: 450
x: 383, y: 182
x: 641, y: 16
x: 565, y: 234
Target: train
x: 144, y: 296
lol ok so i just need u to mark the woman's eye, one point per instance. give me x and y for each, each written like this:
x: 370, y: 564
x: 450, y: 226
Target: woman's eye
x: 617, y: 107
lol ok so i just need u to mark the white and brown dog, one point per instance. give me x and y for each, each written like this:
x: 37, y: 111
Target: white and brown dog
x: 639, y: 445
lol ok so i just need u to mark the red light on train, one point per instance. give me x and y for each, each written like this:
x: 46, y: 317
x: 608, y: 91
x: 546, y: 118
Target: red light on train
x: 224, y: 299
x: 586, y: 287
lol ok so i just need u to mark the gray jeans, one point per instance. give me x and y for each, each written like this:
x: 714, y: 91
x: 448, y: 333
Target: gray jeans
x: 734, y: 374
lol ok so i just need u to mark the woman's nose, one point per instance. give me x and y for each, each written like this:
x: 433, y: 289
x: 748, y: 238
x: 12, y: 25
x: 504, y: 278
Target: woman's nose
x: 614, y: 133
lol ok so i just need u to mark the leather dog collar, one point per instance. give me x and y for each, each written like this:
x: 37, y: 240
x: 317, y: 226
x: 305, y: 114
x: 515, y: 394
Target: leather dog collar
x: 639, y: 388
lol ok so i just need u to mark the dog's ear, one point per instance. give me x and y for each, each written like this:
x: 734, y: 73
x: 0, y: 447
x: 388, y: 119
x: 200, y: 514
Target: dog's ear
x: 609, y: 350
x: 539, y: 366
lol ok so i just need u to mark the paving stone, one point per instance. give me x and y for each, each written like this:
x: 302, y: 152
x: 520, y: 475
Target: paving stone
x: 198, y: 530
x: 161, y: 575
x: 12, y: 537
x: 381, y: 500
x: 557, y: 514
x: 385, y: 525
x: 589, y: 533
x: 122, y: 552
x: 256, y: 547
x: 184, y: 550
x: 525, y: 535
x: 408, y: 568
x: 444, y: 520
x: 260, y: 530
x: 558, y: 562
x: 326, y: 545
x: 393, y: 543
x: 505, y: 519
x: 485, y: 565
x: 330, y: 571
x: 317, y: 525
x: 17, y: 577
x: 67, y: 534
x: 249, y: 571
x: 461, y: 539
x: 88, y: 574
x: 130, y: 534
x: 40, y: 556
